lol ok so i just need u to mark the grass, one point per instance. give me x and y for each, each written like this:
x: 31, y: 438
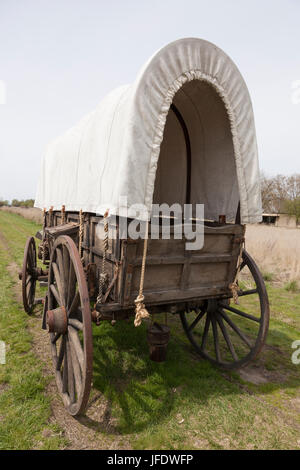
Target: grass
x: 267, y: 276
x: 184, y: 403
x: 292, y: 286
x: 24, y: 406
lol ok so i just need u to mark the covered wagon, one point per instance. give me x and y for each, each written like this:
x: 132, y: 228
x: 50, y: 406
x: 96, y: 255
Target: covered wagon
x: 183, y: 133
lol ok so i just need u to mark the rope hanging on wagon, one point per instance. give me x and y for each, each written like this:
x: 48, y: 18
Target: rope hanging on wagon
x: 80, y: 233
x: 43, y: 236
x: 63, y: 215
x: 234, y: 287
x: 102, y: 278
x: 140, y: 309
x: 51, y: 216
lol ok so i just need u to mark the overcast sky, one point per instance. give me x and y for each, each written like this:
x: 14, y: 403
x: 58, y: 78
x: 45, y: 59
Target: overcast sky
x: 58, y: 58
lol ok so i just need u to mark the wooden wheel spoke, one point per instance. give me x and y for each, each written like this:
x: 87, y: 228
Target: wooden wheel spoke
x: 227, y: 337
x: 205, y: 333
x: 62, y: 274
x: 77, y: 345
x: 247, y: 292
x: 236, y: 329
x: 28, y: 288
x: 31, y: 260
x: 55, y: 338
x: 239, y: 312
x: 66, y: 263
x: 61, y: 353
x: 65, y: 372
x: 71, y: 285
x: 216, y: 338
x: 75, y: 304
x: 243, y: 264
x: 28, y: 280
x: 56, y: 294
x: 58, y: 282
x: 75, y: 323
x: 71, y: 383
x: 196, y: 321
x: 76, y: 370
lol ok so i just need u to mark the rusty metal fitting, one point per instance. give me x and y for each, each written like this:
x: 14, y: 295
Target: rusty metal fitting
x: 57, y: 320
x: 95, y: 317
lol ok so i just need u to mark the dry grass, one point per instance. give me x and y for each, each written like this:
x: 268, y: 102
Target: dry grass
x: 276, y: 250
x: 31, y: 213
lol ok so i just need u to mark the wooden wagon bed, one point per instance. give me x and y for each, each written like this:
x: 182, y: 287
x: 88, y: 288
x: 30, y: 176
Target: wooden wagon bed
x: 173, y: 275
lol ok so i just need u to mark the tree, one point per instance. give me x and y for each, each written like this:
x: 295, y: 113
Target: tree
x: 3, y: 203
x: 22, y: 203
x: 15, y: 203
x: 292, y: 208
x: 280, y: 193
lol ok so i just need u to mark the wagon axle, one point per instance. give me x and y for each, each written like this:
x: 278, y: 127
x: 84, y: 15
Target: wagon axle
x: 38, y: 274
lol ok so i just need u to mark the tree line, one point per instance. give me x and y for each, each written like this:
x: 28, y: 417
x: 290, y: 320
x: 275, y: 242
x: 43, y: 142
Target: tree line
x: 17, y: 203
x: 281, y: 194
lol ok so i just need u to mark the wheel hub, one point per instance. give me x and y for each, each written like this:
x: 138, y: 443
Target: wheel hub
x: 57, y: 320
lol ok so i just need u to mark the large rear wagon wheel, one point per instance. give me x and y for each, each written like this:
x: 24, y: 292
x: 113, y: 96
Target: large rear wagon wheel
x: 69, y: 324
x: 28, y: 275
x: 232, y: 335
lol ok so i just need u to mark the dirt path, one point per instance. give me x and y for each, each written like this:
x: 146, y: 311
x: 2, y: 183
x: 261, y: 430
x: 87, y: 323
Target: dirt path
x: 95, y: 430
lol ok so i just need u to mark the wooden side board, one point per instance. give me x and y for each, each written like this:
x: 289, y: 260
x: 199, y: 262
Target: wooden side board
x: 173, y: 273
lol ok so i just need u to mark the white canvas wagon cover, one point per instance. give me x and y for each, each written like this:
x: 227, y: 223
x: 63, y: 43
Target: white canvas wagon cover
x: 133, y: 145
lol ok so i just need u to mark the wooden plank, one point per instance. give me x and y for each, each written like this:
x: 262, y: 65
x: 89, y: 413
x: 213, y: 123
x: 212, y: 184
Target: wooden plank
x: 205, y: 258
x: 166, y: 295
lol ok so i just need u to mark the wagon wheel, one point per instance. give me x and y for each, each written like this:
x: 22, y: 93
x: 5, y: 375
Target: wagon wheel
x: 69, y: 324
x: 227, y: 335
x: 28, y: 275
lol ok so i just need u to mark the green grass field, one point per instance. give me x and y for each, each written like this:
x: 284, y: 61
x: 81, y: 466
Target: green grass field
x: 184, y: 403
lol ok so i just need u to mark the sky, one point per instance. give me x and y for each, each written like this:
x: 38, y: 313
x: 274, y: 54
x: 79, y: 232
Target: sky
x: 58, y: 58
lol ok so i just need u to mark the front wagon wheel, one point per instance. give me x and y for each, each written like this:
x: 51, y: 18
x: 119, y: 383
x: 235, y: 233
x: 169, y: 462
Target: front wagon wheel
x: 69, y: 323
x: 232, y: 335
